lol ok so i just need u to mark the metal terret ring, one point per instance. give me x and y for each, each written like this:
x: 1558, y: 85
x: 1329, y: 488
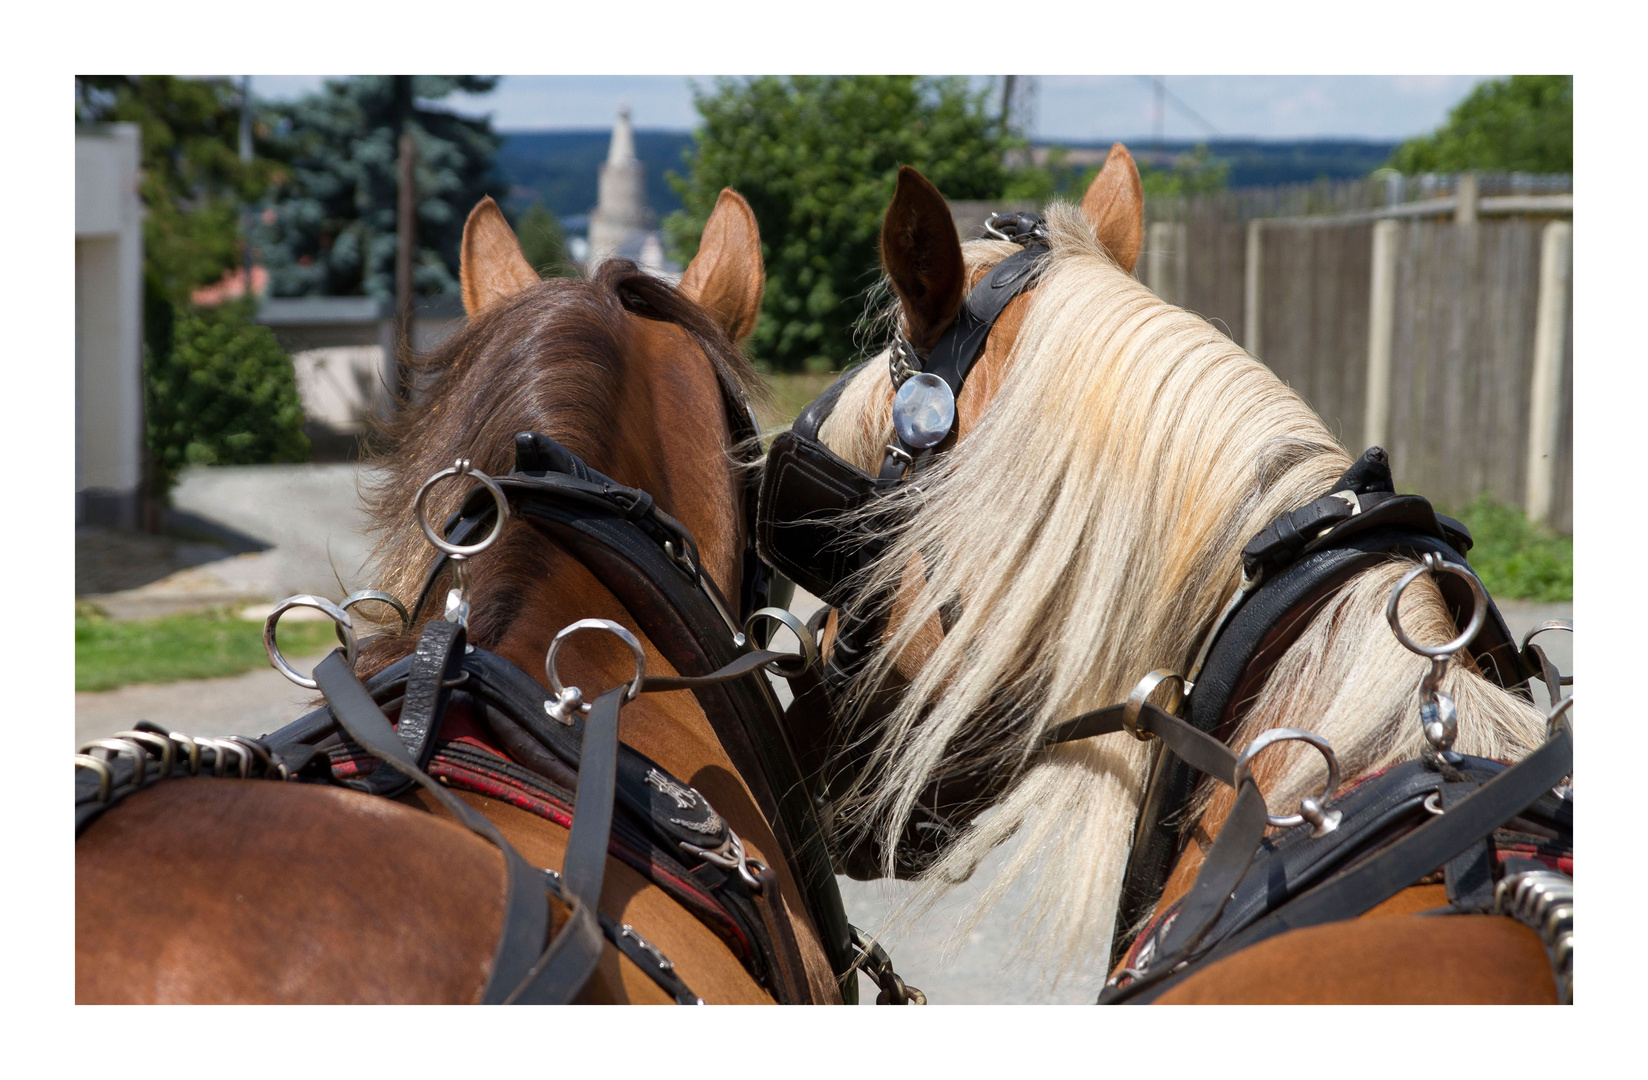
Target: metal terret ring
x: 345, y: 629
x: 1141, y: 693
x: 462, y: 467
x: 1311, y: 809
x: 1479, y: 609
x: 809, y: 645
x: 362, y: 595
x: 595, y: 624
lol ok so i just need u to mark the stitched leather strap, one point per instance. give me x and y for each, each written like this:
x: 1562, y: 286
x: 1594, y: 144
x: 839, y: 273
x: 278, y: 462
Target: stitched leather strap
x: 437, y: 662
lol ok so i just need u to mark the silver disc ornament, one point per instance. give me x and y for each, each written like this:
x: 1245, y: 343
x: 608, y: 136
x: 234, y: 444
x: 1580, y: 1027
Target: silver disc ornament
x: 924, y: 410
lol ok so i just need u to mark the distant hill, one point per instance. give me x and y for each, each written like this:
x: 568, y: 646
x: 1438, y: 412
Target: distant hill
x: 1256, y: 162
x: 560, y: 167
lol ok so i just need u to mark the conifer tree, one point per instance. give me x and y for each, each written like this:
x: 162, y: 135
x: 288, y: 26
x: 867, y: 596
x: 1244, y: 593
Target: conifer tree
x: 330, y: 227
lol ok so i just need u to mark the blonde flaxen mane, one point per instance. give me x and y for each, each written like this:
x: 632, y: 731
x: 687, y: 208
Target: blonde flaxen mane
x: 1091, y: 526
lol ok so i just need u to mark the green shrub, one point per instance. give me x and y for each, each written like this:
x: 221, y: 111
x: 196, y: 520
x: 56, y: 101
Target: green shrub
x: 1516, y: 559
x: 224, y: 394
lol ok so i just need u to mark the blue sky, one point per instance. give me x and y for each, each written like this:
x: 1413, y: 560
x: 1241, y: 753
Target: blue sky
x: 1071, y: 107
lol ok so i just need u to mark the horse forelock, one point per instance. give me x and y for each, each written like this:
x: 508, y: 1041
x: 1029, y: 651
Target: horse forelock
x: 1091, y: 525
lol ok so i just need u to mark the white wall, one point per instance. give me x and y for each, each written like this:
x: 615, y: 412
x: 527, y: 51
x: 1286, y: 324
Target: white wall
x: 108, y: 325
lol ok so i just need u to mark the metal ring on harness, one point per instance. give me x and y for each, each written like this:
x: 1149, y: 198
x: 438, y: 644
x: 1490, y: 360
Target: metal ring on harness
x: 462, y: 467
x: 345, y: 630
x: 570, y: 697
x: 1141, y: 693
x: 1479, y: 610
x: 362, y: 595
x: 1310, y: 809
x: 809, y: 644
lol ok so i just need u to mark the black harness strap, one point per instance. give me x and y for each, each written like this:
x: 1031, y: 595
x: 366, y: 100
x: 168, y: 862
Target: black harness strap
x: 958, y: 350
x: 437, y: 663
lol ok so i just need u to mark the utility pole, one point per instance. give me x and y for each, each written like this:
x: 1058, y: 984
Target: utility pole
x: 1160, y: 119
x: 405, y: 230
x: 247, y: 218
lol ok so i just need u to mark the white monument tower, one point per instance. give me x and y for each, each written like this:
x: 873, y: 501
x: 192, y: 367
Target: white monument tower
x: 621, y: 217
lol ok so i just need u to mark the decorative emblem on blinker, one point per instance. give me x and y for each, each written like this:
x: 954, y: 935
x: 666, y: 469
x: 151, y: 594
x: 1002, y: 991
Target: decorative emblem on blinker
x: 685, y: 798
x: 924, y: 410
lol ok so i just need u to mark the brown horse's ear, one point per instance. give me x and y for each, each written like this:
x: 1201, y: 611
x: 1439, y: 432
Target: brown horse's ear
x: 922, y: 256
x: 1114, y: 206
x: 725, y: 278
x: 490, y: 265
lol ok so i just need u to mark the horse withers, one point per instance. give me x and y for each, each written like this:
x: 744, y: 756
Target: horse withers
x: 1076, y: 518
x: 204, y: 889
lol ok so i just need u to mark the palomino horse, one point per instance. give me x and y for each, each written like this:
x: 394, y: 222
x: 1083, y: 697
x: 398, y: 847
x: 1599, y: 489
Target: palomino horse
x: 223, y: 890
x: 1112, y: 454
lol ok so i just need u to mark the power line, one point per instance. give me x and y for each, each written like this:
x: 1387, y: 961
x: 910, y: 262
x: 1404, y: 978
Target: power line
x: 1159, y: 84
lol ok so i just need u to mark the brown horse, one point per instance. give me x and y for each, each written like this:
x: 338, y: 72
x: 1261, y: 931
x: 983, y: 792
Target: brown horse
x: 1112, y: 455
x: 223, y: 890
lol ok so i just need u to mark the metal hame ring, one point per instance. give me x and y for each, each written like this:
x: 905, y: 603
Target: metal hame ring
x: 462, y: 467
x: 345, y: 630
x: 362, y: 595
x: 596, y: 624
x: 1141, y: 693
x: 1479, y: 609
x: 1244, y: 766
x: 809, y: 645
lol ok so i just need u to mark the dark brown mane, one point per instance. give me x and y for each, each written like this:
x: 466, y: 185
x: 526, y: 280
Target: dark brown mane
x: 549, y: 359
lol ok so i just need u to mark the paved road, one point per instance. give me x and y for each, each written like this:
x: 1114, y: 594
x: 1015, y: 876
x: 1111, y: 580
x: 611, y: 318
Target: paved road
x: 310, y: 518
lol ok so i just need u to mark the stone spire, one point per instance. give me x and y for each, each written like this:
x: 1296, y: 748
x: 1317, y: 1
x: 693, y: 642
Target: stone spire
x: 621, y: 213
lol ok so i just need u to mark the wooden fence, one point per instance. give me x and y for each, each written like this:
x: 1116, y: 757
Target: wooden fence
x: 1430, y: 316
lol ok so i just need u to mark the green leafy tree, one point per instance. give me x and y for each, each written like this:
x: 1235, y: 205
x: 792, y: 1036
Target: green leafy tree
x: 817, y: 158
x: 192, y: 181
x: 330, y: 227
x: 1521, y: 124
x: 216, y: 388
x: 543, y: 241
x: 225, y: 394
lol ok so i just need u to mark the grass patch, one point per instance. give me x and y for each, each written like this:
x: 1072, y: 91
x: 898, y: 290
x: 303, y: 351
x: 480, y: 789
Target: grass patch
x: 1515, y: 558
x: 792, y: 391
x: 196, y: 645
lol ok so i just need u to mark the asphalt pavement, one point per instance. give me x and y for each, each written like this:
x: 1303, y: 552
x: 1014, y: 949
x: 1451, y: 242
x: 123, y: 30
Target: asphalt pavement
x: 283, y: 529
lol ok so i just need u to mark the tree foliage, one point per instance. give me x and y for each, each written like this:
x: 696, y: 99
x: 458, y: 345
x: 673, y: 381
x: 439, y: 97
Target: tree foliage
x: 817, y: 158
x: 193, y: 183
x: 330, y: 228
x: 1521, y: 124
x: 543, y: 242
x: 225, y: 394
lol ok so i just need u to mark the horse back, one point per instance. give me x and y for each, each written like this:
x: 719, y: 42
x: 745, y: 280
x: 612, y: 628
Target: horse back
x: 207, y: 890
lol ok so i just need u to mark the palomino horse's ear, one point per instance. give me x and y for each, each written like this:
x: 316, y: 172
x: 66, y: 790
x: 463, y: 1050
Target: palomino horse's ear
x: 922, y: 256
x: 1114, y: 206
x: 491, y: 266
x: 725, y: 278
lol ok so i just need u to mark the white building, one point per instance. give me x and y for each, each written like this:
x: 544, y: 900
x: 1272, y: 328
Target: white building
x: 622, y: 225
x: 108, y: 326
